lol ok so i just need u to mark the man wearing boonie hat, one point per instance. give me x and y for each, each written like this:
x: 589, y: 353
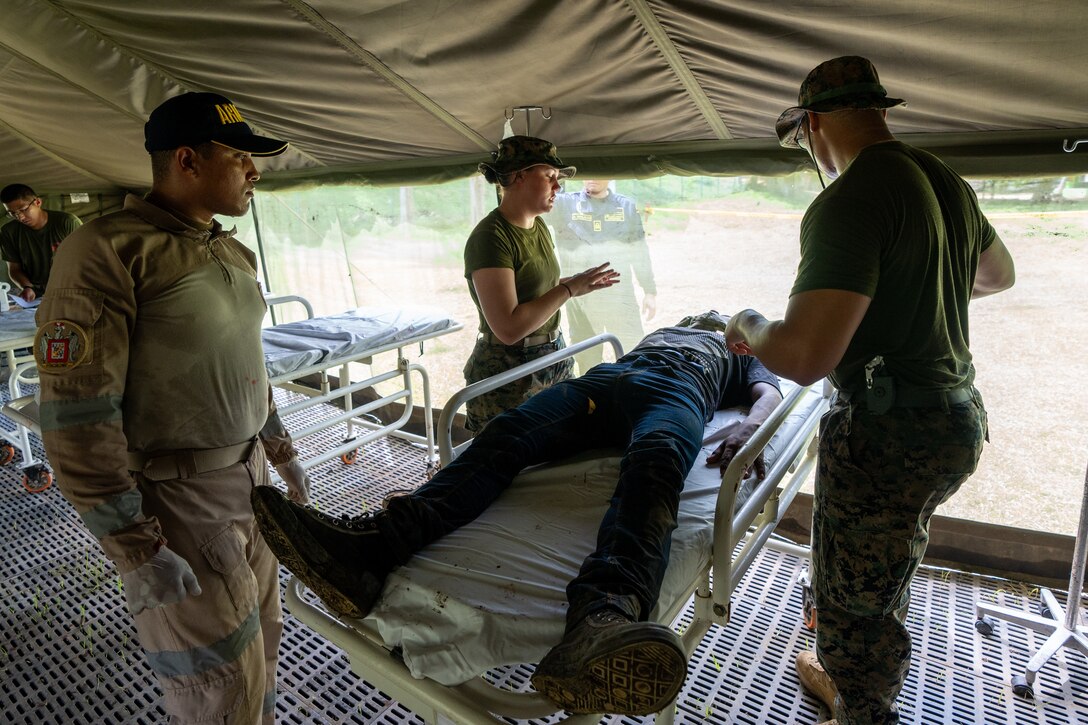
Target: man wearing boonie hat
x: 892, y: 252
x: 153, y: 394
x: 513, y: 277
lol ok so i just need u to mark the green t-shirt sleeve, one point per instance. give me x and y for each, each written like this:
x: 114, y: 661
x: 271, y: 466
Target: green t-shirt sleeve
x: 7, y: 242
x: 529, y: 253
x: 840, y: 246
x: 488, y: 248
x: 71, y: 223
x: 989, y: 234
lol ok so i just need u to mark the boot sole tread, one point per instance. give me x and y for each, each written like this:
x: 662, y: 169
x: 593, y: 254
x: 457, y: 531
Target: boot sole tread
x: 303, y: 556
x: 637, y: 679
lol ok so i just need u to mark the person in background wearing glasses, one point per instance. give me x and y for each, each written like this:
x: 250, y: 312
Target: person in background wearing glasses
x: 28, y: 247
x: 893, y: 252
x: 513, y: 277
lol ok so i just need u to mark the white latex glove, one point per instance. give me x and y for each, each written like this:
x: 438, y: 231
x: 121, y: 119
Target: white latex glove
x: 163, y: 579
x: 298, y: 483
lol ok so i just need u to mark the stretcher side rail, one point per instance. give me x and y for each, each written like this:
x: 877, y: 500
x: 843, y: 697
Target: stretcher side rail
x: 273, y: 300
x: 446, y: 451
x: 359, y: 415
x: 479, y: 700
x: 17, y: 334
x: 23, y: 411
x: 757, y: 517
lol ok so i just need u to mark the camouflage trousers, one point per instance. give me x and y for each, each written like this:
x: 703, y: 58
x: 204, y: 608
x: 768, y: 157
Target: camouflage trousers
x: 879, y: 479
x: 489, y: 359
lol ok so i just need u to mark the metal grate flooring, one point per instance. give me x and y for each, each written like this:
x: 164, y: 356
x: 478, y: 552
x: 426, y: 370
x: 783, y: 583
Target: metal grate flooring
x: 68, y: 651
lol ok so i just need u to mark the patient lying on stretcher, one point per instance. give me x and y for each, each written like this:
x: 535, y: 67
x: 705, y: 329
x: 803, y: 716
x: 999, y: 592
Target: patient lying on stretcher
x: 653, y: 403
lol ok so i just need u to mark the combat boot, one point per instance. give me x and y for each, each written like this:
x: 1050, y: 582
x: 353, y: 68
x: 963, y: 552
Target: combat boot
x: 610, y: 664
x: 815, y: 679
x: 344, y: 560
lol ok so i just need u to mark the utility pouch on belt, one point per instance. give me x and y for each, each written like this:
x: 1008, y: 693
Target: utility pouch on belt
x: 880, y: 397
x: 881, y: 393
x: 879, y: 389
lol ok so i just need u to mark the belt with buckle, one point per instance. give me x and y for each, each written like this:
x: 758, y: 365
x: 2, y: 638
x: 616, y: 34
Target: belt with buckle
x: 187, y: 462
x: 530, y: 341
x: 916, y: 398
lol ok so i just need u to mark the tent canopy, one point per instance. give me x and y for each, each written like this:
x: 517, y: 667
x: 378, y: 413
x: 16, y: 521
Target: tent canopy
x: 400, y: 91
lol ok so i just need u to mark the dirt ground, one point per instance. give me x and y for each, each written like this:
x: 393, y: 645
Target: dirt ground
x: 1028, y: 342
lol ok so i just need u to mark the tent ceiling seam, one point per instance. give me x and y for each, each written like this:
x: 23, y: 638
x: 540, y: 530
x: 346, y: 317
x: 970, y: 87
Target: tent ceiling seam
x: 669, y: 51
x: 125, y: 50
x: 388, y: 74
x: 59, y: 159
x: 67, y: 81
x: 90, y: 31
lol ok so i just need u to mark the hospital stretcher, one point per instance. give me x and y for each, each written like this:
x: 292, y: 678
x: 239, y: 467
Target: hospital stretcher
x: 294, y: 350
x: 492, y: 593
x: 316, y: 346
x: 17, y: 328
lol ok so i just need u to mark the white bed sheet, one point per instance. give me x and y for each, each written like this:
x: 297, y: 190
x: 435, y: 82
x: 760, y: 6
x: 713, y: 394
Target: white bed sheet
x: 457, y: 610
x: 294, y: 346
x: 17, y: 327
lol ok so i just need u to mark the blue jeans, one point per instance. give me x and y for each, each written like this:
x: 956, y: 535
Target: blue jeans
x: 648, y: 403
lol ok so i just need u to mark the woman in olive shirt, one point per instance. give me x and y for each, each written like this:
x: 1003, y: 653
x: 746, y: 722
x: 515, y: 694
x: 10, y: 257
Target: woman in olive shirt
x: 513, y: 277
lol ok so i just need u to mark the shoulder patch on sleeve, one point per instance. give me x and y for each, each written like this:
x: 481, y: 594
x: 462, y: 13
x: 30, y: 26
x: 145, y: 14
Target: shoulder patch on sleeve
x: 61, y: 345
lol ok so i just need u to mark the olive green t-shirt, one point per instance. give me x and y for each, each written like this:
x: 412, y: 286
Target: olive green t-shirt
x: 902, y: 228
x: 33, y: 249
x: 496, y: 243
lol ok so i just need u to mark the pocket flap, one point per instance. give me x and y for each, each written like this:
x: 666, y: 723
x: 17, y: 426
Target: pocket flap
x: 224, y: 551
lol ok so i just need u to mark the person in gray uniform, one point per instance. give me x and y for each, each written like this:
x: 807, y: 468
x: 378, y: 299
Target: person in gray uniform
x: 598, y: 223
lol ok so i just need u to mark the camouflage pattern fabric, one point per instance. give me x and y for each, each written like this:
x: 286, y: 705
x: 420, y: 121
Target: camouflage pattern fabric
x: 878, y: 481
x: 849, y: 81
x: 515, y: 153
x: 488, y: 359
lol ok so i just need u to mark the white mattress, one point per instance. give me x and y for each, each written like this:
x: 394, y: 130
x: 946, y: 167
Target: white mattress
x: 16, y: 324
x: 494, y: 591
x: 297, y: 345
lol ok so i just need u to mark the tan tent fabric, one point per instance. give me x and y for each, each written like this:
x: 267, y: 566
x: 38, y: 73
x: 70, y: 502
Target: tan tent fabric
x: 394, y: 91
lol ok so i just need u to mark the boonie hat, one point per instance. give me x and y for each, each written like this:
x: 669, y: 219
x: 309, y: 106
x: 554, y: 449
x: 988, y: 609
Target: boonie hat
x: 515, y: 153
x: 846, y: 82
x: 195, y: 118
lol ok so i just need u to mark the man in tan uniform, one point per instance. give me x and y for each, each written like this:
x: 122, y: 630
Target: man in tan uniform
x: 153, y: 394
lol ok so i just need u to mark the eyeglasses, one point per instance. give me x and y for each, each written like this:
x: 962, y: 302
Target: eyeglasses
x: 20, y: 212
x: 800, y: 137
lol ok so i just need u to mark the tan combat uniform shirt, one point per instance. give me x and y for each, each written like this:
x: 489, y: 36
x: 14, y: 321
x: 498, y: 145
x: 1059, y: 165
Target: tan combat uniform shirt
x: 149, y: 341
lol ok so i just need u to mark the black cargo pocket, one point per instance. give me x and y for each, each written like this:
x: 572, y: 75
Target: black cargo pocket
x: 225, y: 554
x: 214, y: 701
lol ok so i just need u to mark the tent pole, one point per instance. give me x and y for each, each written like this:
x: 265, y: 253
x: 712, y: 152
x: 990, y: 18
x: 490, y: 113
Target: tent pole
x: 260, y: 252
